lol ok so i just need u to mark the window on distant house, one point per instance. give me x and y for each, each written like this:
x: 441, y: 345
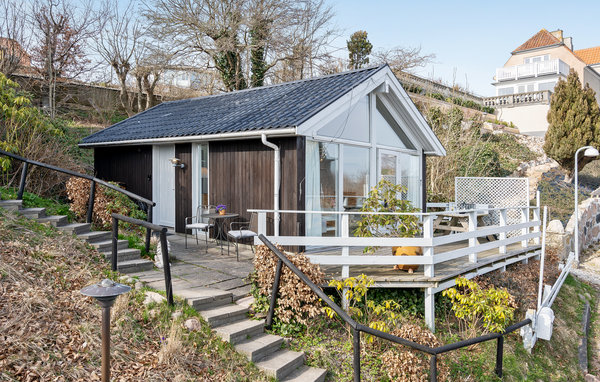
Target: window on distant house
x: 529, y: 60
x: 530, y: 87
x: 505, y: 91
x: 547, y: 86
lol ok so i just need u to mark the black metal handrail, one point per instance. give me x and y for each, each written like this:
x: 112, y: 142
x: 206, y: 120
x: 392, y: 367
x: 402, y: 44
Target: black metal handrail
x: 93, y: 179
x: 162, y: 231
x: 357, y: 328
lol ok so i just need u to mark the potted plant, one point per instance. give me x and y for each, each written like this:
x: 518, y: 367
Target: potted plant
x: 221, y: 209
x: 386, y: 197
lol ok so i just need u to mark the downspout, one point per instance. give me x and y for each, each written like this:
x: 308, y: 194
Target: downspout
x: 277, y: 183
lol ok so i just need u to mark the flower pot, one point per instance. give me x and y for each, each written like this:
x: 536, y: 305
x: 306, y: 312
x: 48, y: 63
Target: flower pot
x: 407, y: 251
x: 222, y: 212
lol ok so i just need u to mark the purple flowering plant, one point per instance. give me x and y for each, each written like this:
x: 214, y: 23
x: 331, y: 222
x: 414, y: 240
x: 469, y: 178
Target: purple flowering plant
x: 221, y: 207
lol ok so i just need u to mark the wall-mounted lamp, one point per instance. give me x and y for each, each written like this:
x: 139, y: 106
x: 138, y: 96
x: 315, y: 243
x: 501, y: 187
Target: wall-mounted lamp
x: 177, y: 162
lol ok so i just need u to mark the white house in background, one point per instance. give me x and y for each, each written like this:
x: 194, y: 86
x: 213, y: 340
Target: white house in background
x: 526, y: 81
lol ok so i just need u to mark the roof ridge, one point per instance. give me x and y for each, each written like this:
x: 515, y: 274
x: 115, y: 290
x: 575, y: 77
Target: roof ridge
x: 536, y: 41
x: 258, y: 88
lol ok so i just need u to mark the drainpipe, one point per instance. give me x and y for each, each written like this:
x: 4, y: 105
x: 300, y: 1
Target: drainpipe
x: 277, y: 182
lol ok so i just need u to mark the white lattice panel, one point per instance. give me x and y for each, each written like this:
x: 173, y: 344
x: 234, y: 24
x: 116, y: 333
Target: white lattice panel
x: 495, y: 192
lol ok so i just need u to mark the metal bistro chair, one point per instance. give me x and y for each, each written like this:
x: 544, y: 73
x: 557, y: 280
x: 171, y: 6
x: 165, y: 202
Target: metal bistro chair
x: 199, y: 223
x: 242, y: 231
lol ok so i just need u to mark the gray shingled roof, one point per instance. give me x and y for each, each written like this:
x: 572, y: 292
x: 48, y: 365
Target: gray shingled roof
x: 269, y: 107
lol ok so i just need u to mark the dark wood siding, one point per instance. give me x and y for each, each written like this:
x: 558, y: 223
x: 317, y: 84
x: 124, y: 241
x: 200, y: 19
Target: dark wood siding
x: 130, y: 166
x: 183, y: 186
x: 241, y: 177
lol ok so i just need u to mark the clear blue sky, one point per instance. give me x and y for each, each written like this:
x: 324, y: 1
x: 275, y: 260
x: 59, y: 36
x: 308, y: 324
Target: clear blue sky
x: 474, y: 37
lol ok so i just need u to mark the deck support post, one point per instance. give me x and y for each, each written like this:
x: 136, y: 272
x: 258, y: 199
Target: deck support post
x: 262, y: 223
x: 428, y: 269
x: 473, y: 240
x: 345, y: 250
x: 503, y: 217
x: 430, y: 309
x: 524, y: 219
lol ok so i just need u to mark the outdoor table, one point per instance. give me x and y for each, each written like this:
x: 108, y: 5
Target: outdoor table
x: 220, y: 225
x: 457, y: 222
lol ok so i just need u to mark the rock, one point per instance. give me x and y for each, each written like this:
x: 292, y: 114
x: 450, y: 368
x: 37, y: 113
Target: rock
x: 126, y: 279
x: 138, y: 285
x: 153, y: 297
x: 176, y: 315
x: 555, y: 226
x: 591, y: 378
x: 192, y: 324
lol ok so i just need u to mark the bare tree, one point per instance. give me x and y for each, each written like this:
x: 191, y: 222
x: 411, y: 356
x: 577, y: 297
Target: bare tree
x: 62, y: 30
x: 245, y: 39
x: 118, y: 43
x: 14, y: 40
x: 402, y: 59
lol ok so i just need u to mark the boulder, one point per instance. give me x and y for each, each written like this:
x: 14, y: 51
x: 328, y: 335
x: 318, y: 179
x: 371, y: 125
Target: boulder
x: 555, y: 226
x: 192, y: 324
x: 153, y: 297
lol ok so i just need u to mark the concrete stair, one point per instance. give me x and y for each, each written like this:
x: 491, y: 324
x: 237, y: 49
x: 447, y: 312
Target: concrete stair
x: 230, y: 322
x: 128, y: 259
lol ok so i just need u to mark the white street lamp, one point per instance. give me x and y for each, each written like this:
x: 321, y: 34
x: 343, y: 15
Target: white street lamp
x: 589, y: 152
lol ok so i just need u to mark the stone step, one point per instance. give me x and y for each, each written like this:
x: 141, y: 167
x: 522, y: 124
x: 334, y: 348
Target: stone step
x: 306, y: 374
x: 240, y: 331
x: 224, y: 315
x: 33, y: 213
x: 75, y: 228
x: 11, y: 205
x: 55, y: 220
x: 95, y: 236
x: 281, y: 363
x: 258, y: 347
x: 125, y: 254
x: 205, y: 298
x: 134, y: 266
x: 106, y: 245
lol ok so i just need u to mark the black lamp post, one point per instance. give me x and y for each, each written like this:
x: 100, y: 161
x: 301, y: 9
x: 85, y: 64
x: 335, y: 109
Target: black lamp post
x: 105, y: 292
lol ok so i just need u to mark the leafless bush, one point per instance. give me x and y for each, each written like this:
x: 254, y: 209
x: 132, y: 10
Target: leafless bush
x: 404, y: 364
x: 296, y: 302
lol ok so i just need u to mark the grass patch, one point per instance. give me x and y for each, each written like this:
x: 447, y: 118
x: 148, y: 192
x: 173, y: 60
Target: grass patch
x: 52, y: 206
x: 52, y: 332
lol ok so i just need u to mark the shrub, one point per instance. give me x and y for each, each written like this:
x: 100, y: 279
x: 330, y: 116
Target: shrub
x: 106, y: 202
x: 490, y: 309
x: 296, y: 303
x: 383, y: 316
x: 385, y: 197
x: 405, y: 364
x: 25, y: 131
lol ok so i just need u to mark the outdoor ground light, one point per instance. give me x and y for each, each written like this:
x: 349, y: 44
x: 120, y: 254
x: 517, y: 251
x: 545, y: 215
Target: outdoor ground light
x: 105, y: 292
x: 177, y: 162
x: 589, y: 152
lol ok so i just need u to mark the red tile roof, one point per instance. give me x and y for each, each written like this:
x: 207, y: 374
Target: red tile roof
x: 589, y: 56
x: 540, y: 39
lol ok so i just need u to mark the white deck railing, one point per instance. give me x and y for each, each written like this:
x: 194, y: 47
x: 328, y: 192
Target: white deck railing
x: 529, y: 231
x: 533, y: 69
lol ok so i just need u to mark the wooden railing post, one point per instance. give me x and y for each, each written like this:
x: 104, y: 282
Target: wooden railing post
x: 262, y: 223
x: 473, y: 240
x: 148, y: 230
x: 90, y: 209
x: 536, y: 217
x: 503, y: 216
x: 23, y: 181
x: 429, y: 269
x: 524, y: 219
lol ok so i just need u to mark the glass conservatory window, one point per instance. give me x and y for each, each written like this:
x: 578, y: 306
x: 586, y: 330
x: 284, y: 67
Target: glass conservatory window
x: 352, y: 124
x: 388, y: 132
x: 322, y: 187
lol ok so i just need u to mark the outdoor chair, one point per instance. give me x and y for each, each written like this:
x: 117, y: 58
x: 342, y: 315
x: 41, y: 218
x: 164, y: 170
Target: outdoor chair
x: 199, y: 223
x: 239, y: 231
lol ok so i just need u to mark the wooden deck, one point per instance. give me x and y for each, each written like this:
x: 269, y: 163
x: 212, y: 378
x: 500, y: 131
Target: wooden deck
x: 388, y: 277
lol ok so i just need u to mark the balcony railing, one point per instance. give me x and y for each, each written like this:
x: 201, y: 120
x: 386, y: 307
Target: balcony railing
x: 533, y: 69
x: 513, y: 100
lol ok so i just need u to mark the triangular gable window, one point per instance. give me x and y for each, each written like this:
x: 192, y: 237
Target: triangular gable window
x: 387, y: 130
x: 352, y: 124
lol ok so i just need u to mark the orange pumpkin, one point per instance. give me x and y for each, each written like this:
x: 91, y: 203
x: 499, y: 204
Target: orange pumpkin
x: 407, y: 251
